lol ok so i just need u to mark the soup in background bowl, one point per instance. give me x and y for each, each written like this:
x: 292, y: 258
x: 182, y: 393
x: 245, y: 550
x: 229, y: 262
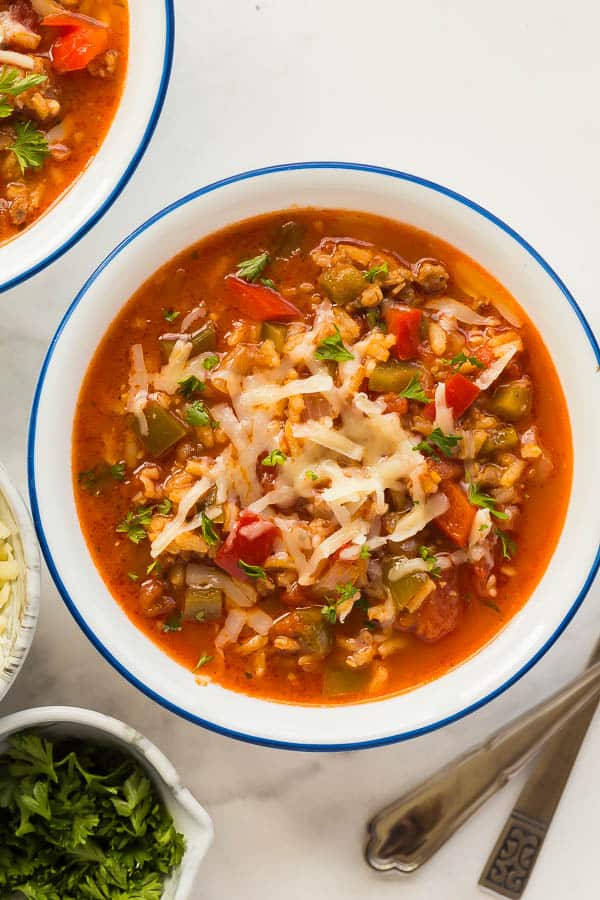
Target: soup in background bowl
x: 312, y: 457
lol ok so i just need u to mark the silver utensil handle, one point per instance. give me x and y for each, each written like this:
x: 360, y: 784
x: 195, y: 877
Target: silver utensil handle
x: 409, y: 831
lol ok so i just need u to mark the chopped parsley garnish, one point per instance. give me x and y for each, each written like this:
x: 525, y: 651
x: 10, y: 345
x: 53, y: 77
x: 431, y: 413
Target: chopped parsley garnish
x: 80, y: 819
x: 509, y: 546
x: 477, y: 498
x: 365, y: 553
x: 268, y: 282
x: 414, y: 391
x: 437, y: 440
x: 169, y: 315
x: 345, y: 592
x: 208, y: 531
x: 251, y: 571
x: 204, y: 659
x: 30, y: 146
x: 133, y: 576
x: 460, y: 359
x: 134, y: 524
x: 12, y: 84
x: 164, y: 507
x: 154, y: 566
x: 491, y: 605
x: 173, y: 623
x: 429, y: 557
x: 190, y: 386
x: 210, y: 362
x: 310, y: 475
x: 275, y: 458
x: 97, y: 479
x: 198, y: 415
x: 250, y: 269
x: 332, y: 347
x: 371, y: 274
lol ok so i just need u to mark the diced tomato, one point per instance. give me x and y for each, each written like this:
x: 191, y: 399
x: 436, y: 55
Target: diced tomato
x: 405, y: 324
x: 81, y: 41
x: 428, y: 411
x: 456, y: 522
x: 251, y: 540
x: 257, y: 302
x: 460, y: 393
x: 485, y: 355
x: 439, y: 614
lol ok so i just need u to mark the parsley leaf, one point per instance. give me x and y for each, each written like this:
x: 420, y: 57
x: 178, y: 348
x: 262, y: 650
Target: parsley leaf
x: 169, y: 315
x: 332, y: 347
x: 491, y: 605
x: 252, y: 571
x: 98, y: 478
x: 134, y: 524
x: 250, y: 269
x: 164, y: 507
x: 210, y: 362
x: 133, y: 576
x: 428, y: 556
x: 173, y: 623
x: 437, y: 440
x: 198, y: 415
x: 275, y: 458
x: 268, y: 282
x: 12, y: 84
x: 371, y: 274
x: 414, y: 390
x: 30, y: 146
x: 208, y: 531
x: 204, y: 659
x: 460, y: 359
x: 310, y: 475
x: 154, y: 566
x: 345, y: 592
x: 374, y: 319
x: 509, y: 546
x: 478, y: 498
x: 190, y: 386
x: 365, y: 553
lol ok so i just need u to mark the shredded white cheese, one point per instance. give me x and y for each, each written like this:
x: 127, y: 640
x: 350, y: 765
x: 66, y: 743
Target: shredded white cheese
x: 11, y: 600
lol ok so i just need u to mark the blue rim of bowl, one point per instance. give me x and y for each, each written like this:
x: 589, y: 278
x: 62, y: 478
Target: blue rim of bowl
x: 249, y: 738
x: 132, y: 166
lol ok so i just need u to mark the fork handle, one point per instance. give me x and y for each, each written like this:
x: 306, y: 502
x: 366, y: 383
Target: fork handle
x: 408, y: 832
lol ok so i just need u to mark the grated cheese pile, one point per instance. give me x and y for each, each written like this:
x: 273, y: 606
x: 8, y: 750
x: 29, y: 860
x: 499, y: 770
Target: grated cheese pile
x: 10, y: 603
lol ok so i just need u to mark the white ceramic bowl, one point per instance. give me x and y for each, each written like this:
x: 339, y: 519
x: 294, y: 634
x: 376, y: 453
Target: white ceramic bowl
x: 99, y: 185
x: 191, y: 819
x: 506, y: 255
x: 15, y: 515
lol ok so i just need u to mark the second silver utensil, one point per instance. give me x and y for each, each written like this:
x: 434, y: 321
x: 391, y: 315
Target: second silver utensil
x: 409, y: 831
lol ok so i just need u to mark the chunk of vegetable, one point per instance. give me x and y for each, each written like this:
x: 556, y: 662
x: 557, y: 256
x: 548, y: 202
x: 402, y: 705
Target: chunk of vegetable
x: 276, y: 332
x: 406, y: 591
x: 440, y: 612
x: 203, y: 341
x: 504, y: 437
x: 257, y: 302
x: 456, y: 522
x: 250, y: 540
x: 392, y: 376
x: 308, y: 627
x: 341, y: 679
x: 81, y: 41
x: 342, y: 284
x: 164, y: 429
x: 204, y: 604
x: 405, y: 324
x: 512, y: 402
x: 289, y: 239
x: 460, y: 393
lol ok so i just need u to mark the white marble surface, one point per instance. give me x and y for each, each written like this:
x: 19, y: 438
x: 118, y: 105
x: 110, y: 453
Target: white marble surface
x: 499, y: 101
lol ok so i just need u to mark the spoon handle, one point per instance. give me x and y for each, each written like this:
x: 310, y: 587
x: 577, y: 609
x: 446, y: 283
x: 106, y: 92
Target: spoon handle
x: 407, y: 833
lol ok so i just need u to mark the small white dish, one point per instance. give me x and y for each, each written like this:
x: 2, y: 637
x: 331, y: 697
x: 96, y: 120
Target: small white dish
x: 190, y: 818
x: 151, y: 36
x: 15, y: 515
x: 436, y: 209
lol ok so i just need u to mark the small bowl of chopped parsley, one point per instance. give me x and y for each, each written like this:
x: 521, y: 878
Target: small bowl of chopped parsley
x: 89, y: 808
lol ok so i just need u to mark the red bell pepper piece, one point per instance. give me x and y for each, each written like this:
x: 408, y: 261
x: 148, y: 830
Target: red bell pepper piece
x: 405, y: 324
x: 460, y: 393
x: 251, y: 540
x: 456, y: 522
x: 258, y: 302
x: 81, y: 41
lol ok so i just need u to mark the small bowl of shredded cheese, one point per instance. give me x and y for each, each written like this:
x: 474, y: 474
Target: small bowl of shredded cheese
x: 19, y: 582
